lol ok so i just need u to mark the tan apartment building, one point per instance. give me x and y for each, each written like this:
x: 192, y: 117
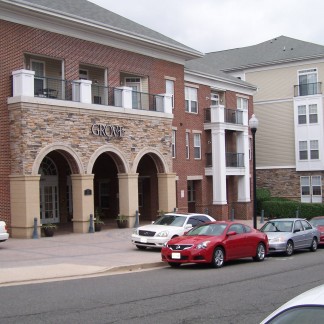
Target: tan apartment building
x: 99, y: 112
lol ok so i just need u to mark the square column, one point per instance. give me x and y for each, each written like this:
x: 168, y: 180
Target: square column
x: 83, y: 204
x: 167, y: 191
x: 23, y: 83
x: 128, y: 196
x: 24, y: 202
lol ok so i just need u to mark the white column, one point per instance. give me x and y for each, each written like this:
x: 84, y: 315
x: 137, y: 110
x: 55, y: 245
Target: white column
x: 123, y: 97
x: 217, y: 114
x: 219, y: 167
x: 244, y: 181
x: 23, y: 83
x: 82, y: 91
x: 164, y: 103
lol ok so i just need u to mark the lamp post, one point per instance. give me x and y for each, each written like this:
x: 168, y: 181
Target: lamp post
x: 253, y: 124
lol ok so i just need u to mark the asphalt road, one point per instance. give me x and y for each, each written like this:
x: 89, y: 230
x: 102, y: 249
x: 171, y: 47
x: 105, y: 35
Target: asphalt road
x: 241, y: 292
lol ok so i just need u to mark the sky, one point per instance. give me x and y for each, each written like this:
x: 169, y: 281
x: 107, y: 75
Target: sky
x: 214, y: 25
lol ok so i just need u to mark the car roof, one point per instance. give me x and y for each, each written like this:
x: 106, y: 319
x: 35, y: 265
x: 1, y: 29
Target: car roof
x: 318, y: 217
x: 285, y: 219
x: 187, y: 214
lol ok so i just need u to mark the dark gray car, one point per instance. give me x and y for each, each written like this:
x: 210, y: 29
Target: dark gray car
x: 289, y: 234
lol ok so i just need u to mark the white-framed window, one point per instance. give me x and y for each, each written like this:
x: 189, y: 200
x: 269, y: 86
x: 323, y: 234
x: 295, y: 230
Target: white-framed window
x: 303, y: 155
x: 197, y: 146
x: 302, y: 115
x: 191, y: 191
x: 83, y: 74
x: 307, y: 82
x: 187, y: 145
x: 242, y: 103
x: 314, y: 152
x: 169, y: 89
x: 191, y: 99
x: 173, y: 143
x: 313, y: 116
x: 311, y: 188
x: 214, y: 99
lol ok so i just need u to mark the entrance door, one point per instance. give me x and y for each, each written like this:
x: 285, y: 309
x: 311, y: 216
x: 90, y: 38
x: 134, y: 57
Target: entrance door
x: 49, y: 203
x: 135, y: 84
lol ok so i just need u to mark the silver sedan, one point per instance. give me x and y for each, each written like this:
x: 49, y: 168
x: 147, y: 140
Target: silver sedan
x: 289, y: 234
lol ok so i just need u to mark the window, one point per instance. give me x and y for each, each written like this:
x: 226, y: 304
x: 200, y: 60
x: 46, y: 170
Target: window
x: 303, y: 150
x: 312, y: 113
x: 104, y: 194
x: 169, y: 89
x: 314, y: 153
x: 214, y: 98
x: 311, y: 186
x: 316, y: 186
x: 307, y: 82
x: 242, y: 103
x: 197, y: 146
x: 173, y: 143
x: 191, y: 191
x: 305, y: 186
x: 83, y: 74
x: 191, y: 98
x: 302, y: 115
x: 187, y: 146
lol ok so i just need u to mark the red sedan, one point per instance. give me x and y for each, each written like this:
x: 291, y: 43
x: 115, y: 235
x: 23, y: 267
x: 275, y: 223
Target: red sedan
x: 216, y: 243
x: 319, y: 223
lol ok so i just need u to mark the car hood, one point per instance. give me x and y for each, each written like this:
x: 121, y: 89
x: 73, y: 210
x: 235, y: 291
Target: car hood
x: 159, y: 228
x: 191, y: 239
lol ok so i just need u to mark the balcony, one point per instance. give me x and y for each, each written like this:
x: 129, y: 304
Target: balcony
x: 225, y: 115
x: 25, y: 83
x: 308, y: 89
x: 233, y: 160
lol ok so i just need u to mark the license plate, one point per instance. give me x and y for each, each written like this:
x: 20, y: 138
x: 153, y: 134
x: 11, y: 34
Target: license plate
x: 143, y: 240
x: 176, y: 255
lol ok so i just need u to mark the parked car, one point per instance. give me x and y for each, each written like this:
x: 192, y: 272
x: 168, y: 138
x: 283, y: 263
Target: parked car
x: 215, y: 243
x: 307, y: 307
x: 319, y: 223
x: 290, y: 234
x: 166, y: 227
x: 4, y: 235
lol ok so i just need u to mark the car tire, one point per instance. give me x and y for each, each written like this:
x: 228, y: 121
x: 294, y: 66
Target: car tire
x: 140, y: 247
x: 260, y: 253
x: 218, y: 258
x: 174, y: 264
x: 289, y: 248
x: 314, y: 245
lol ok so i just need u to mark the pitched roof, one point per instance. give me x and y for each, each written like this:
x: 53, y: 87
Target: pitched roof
x: 91, y: 12
x: 274, y: 51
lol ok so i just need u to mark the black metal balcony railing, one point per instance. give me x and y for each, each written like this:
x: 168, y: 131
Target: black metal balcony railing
x: 232, y: 116
x: 233, y: 160
x: 147, y: 101
x: 52, y: 88
x: 308, y: 89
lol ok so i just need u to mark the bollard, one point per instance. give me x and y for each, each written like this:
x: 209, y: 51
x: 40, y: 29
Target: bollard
x: 297, y: 213
x: 136, y: 219
x: 35, y: 232
x: 232, y: 215
x: 91, y: 226
x: 206, y: 211
x: 262, y: 216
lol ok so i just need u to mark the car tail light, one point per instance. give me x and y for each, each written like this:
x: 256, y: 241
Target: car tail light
x: 5, y: 227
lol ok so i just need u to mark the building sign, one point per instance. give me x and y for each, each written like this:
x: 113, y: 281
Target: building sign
x: 109, y: 131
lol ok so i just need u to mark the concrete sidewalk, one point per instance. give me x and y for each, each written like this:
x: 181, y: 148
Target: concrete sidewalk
x: 68, y: 256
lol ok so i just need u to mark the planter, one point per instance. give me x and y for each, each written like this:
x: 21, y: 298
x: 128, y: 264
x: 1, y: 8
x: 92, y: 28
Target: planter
x: 122, y: 223
x: 48, y: 232
x: 97, y: 227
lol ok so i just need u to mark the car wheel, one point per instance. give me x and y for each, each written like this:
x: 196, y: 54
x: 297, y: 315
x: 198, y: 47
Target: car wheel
x: 289, y: 248
x: 260, y: 253
x: 140, y: 247
x: 218, y: 258
x: 314, y: 245
x: 174, y: 264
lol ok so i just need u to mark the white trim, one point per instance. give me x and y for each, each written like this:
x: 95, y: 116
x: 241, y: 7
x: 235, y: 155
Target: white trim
x: 195, y: 177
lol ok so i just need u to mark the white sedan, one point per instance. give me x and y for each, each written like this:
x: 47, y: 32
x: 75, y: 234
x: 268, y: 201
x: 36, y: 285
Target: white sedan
x: 165, y: 228
x: 4, y: 235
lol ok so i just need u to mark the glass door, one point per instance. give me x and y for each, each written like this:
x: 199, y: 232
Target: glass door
x: 48, y: 204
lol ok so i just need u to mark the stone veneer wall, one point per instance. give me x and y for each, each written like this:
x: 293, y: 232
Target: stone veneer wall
x: 35, y: 126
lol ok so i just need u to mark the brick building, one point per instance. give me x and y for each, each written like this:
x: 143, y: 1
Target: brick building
x: 100, y: 113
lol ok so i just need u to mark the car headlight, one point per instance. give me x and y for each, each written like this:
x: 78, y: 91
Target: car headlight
x: 278, y: 240
x: 135, y: 231
x: 163, y: 234
x: 202, y: 245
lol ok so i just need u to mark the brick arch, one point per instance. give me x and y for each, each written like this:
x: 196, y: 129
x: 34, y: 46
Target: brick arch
x: 117, y: 156
x: 159, y: 161
x: 67, y: 152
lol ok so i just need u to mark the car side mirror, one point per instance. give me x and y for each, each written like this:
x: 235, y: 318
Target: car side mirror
x: 188, y: 226
x: 231, y: 233
x: 297, y: 230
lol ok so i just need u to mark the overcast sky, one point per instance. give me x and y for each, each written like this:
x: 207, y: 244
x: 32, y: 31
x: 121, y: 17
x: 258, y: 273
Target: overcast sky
x: 213, y: 25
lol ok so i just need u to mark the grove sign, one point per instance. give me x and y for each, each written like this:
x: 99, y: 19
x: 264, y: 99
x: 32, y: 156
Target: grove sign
x: 109, y: 131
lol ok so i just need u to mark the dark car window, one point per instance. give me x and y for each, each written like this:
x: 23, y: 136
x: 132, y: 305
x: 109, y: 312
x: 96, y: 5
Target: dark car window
x: 236, y: 228
x: 298, y: 226
x: 197, y: 220
x: 306, y: 225
x: 247, y: 229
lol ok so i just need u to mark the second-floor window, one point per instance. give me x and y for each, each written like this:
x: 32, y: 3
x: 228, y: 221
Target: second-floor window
x: 303, y: 155
x: 214, y: 99
x: 173, y: 144
x: 169, y: 89
x: 313, y: 150
x: 191, y: 99
x: 307, y: 114
x: 187, y: 146
x: 242, y: 103
x: 312, y: 113
x: 197, y: 146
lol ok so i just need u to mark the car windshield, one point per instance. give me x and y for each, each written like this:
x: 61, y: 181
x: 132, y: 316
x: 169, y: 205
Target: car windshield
x: 316, y: 222
x: 209, y: 229
x: 277, y: 226
x: 171, y: 220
